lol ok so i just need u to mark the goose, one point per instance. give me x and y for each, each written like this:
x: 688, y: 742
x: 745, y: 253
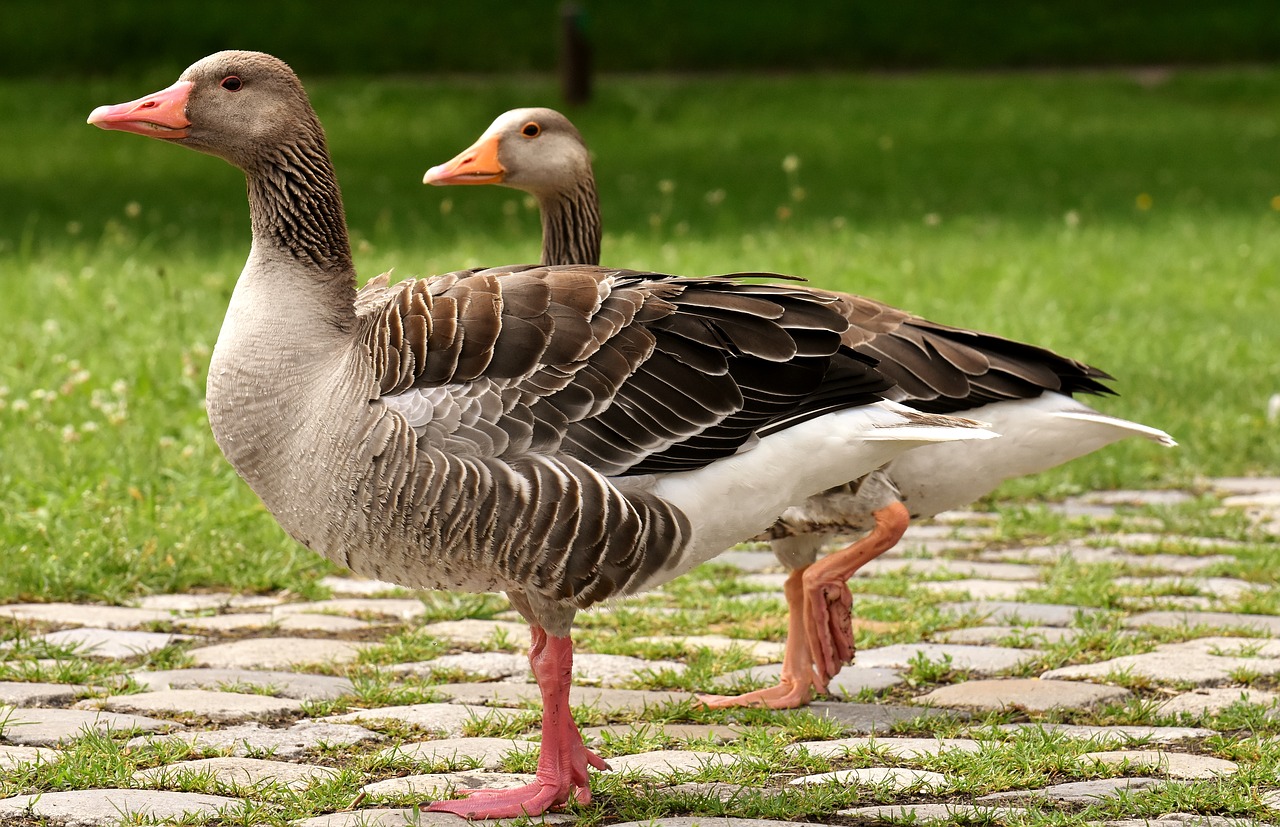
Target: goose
x: 563, y: 434
x: 1024, y: 392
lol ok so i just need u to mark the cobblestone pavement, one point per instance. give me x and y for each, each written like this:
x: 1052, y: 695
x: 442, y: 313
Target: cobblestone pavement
x: 269, y: 698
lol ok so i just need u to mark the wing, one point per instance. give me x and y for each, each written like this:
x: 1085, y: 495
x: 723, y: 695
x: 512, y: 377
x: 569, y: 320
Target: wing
x: 628, y: 372
x: 942, y: 369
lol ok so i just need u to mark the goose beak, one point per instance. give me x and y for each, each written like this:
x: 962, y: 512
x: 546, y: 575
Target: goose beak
x: 477, y: 165
x: 161, y: 114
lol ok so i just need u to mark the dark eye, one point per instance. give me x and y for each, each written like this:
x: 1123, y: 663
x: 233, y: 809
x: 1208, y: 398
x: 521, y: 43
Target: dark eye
x: 531, y: 130
x: 232, y: 83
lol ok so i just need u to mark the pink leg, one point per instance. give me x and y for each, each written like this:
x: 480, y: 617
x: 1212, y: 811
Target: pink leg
x: 828, y: 602
x: 563, y: 762
x: 798, y: 681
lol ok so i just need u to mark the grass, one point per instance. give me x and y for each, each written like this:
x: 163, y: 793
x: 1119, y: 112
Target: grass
x: 1127, y: 222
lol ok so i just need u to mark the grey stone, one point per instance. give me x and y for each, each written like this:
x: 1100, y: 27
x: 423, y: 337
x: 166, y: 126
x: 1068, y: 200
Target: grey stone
x: 715, y: 733
x: 83, y: 614
x: 1078, y: 792
x: 1228, y: 588
x: 749, y: 560
x: 1268, y: 624
x: 17, y: 693
x: 449, y: 719
x: 359, y: 587
x: 299, y: 685
x: 88, y: 641
x: 663, y: 762
x: 615, y: 670
x: 1245, y: 485
x: 277, y: 653
x: 1180, y: 820
x: 441, y: 785
x: 491, y: 665
x: 977, y: 589
x: 893, y: 747
x: 11, y: 757
x: 873, y: 717
x: 220, y: 707
x: 1208, y: 701
x: 1153, y: 540
x: 1085, y: 554
x: 37, y: 727
x: 711, y: 821
x: 186, y: 602
x: 962, y: 568
x: 1263, y: 500
x: 328, y: 624
x: 481, y: 753
x: 1115, y: 734
x: 1172, y: 764
x: 772, y: 582
x: 897, y: 779
x: 399, y: 608
x: 237, y: 773
x: 718, y: 791
x: 506, y: 694
x: 1030, y: 694
x: 1009, y: 612
x: 91, y: 808
x: 847, y: 684
x: 1008, y: 635
x: 1163, y: 497
x: 499, y: 633
x: 235, y: 622
x: 254, y: 739
x: 977, y: 659
x: 1173, y: 663
x: 921, y: 813
x: 764, y: 651
x: 415, y: 817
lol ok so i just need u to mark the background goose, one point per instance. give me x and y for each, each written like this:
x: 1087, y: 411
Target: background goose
x: 1023, y: 391
x: 499, y: 429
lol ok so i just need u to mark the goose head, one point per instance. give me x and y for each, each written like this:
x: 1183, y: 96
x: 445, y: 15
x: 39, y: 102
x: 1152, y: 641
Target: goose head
x: 536, y: 150
x: 235, y: 105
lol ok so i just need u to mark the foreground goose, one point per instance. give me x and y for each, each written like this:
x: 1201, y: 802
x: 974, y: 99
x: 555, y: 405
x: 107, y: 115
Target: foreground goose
x: 1022, y: 390
x: 563, y: 434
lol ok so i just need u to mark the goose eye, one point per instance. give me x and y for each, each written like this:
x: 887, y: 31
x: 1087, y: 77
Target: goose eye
x: 232, y: 83
x: 531, y: 130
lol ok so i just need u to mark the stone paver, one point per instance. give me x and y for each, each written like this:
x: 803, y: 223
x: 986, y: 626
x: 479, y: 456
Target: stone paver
x: 481, y: 753
x: 711, y: 821
x: 442, y: 785
x: 1116, y: 734
x: 234, y: 773
x: 1258, y: 624
x: 510, y: 634
x: 81, y: 614
x: 1201, y: 663
x: 588, y: 668
x: 764, y: 651
x: 359, y: 587
x: 921, y: 813
x: 978, y: 589
x: 276, y: 653
x: 415, y: 817
x: 897, y: 779
x: 219, y: 707
x: 1023, y: 635
x: 894, y: 747
x: 398, y: 608
x: 91, y: 808
x: 1010, y: 612
x: 1030, y: 694
x: 254, y: 739
x: 297, y: 685
x: 982, y: 660
x: 513, y: 694
x: 11, y: 757
x: 1180, y: 820
x: 848, y: 684
x: 115, y: 644
x: 39, y: 727
x: 870, y: 718
x: 964, y: 568
x: 15, y: 693
x: 715, y: 733
x: 1210, y: 701
x: 1172, y: 764
x: 664, y: 762
x: 449, y: 719
x: 1078, y: 792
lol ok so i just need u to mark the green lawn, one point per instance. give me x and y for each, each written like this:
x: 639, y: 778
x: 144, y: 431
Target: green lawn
x: 1128, y: 221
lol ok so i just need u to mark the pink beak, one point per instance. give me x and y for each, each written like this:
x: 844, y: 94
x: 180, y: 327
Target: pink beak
x: 161, y: 114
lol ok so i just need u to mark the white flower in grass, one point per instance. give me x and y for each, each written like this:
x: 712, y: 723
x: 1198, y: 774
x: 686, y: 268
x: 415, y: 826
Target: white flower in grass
x: 666, y: 186
x: 932, y: 219
x: 133, y: 209
x: 119, y: 387
x: 20, y: 405
x: 1071, y: 219
x: 446, y: 206
x: 50, y: 327
x: 69, y: 434
x: 88, y: 427
x: 715, y: 197
x: 791, y: 164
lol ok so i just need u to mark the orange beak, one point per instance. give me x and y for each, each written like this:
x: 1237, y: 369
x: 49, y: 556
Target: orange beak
x: 162, y: 114
x: 477, y: 165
